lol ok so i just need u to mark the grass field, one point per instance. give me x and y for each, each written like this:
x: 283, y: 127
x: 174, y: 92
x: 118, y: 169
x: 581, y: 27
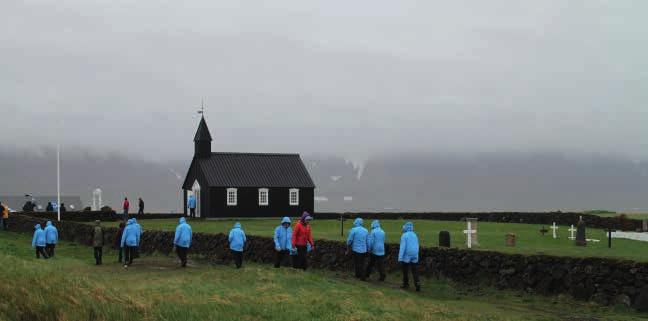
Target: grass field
x: 70, y: 287
x: 491, y: 236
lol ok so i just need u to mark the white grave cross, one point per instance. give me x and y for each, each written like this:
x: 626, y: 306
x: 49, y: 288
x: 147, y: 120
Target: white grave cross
x: 571, y: 232
x: 554, y: 228
x: 469, y: 233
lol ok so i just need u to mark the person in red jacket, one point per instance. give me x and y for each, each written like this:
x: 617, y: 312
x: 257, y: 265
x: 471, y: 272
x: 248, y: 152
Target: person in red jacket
x: 126, y: 207
x: 301, y: 238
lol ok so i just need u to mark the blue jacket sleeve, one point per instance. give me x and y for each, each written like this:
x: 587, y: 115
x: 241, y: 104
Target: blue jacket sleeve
x: 231, y: 236
x: 276, y: 237
x: 350, y: 238
x: 403, y: 247
x: 177, y: 236
x: 123, y: 240
x: 34, y: 240
x: 190, y: 234
x: 139, y: 235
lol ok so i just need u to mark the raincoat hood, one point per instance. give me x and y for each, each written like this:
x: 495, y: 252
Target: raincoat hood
x: 49, y: 223
x: 37, y: 226
x: 284, y: 220
x: 130, y: 222
x: 358, y: 222
x: 375, y: 224
x: 183, y: 220
x: 408, y: 227
x: 237, y: 225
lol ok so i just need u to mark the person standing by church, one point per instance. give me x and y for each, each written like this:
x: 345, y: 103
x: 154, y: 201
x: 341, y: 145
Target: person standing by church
x: 301, y: 238
x: 51, y: 238
x: 191, y: 203
x: 357, y: 241
x: 182, y: 240
x: 140, y: 211
x: 126, y: 207
x: 237, y: 243
x: 282, y: 241
x: 376, y: 249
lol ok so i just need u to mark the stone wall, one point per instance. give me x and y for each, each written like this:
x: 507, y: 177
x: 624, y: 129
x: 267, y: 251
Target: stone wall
x: 546, y: 218
x: 91, y: 216
x: 605, y: 281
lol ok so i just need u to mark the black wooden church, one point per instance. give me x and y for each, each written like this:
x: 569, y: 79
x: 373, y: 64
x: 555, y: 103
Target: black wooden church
x: 246, y: 184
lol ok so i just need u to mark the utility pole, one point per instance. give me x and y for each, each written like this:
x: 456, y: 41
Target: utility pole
x: 58, y: 181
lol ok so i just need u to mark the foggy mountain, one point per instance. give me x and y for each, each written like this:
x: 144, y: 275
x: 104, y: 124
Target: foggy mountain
x: 409, y: 183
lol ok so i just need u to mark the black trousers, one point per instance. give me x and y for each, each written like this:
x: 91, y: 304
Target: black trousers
x: 40, y: 250
x: 182, y: 254
x: 121, y: 255
x: 280, y: 256
x: 129, y: 254
x: 49, y: 249
x: 140, y: 211
x: 410, y: 267
x: 378, y: 262
x: 4, y: 223
x: 301, y: 260
x: 98, y: 253
x: 238, y: 258
x: 358, y: 264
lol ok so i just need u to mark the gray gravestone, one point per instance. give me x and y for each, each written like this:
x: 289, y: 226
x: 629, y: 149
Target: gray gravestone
x: 444, y: 239
x: 580, y: 233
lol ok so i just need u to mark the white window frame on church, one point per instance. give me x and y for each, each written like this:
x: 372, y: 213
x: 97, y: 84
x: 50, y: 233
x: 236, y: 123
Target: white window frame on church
x: 232, y: 197
x: 293, y: 197
x: 264, y: 197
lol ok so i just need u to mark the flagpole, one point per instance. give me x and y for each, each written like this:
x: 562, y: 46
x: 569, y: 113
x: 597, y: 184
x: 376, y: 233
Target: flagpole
x: 58, y: 181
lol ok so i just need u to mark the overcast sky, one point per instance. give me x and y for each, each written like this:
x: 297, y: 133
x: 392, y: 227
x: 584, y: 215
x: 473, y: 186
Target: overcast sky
x: 347, y: 78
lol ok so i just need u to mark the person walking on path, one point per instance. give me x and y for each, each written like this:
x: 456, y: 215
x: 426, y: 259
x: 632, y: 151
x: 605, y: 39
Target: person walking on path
x: 408, y: 255
x: 191, y: 203
x: 301, y: 238
x: 182, y: 240
x: 126, y: 206
x: 376, y: 248
x: 38, y: 242
x: 49, y: 207
x: 117, y: 244
x: 129, y: 242
x: 237, y: 243
x: 282, y: 241
x: 357, y: 241
x: 51, y: 238
x: 140, y: 211
x: 98, y: 241
x: 4, y: 211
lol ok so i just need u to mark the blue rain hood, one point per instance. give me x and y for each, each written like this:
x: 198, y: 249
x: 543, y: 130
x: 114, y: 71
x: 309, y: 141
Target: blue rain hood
x: 358, y: 222
x: 375, y: 224
x: 285, y: 219
x: 182, y: 220
x: 408, y: 227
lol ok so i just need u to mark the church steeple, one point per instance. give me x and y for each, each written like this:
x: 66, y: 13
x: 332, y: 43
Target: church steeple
x: 202, y: 140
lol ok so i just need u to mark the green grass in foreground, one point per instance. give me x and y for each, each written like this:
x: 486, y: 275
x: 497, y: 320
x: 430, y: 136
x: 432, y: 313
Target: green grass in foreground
x: 491, y: 236
x: 70, y: 287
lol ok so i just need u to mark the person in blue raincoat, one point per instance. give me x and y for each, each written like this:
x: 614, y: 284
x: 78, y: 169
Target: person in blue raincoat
x: 191, y: 203
x: 408, y: 255
x: 51, y: 238
x: 282, y: 241
x: 38, y: 242
x: 357, y: 241
x: 376, y: 244
x: 182, y: 240
x: 129, y: 241
x: 237, y: 242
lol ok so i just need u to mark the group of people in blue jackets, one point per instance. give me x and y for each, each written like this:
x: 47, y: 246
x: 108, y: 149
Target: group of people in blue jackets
x: 44, y: 240
x: 362, y: 243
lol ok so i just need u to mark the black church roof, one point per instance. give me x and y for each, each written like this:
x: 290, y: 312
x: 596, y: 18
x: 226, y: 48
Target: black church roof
x: 254, y: 170
x: 202, y: 134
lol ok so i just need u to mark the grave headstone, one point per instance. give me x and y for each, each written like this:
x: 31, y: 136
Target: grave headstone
x: 444, y: 239
x: 571, y: 232
x: 510, y: 239
x: 554, y: 228
x: 471, y: 232
x: 581, y: 240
